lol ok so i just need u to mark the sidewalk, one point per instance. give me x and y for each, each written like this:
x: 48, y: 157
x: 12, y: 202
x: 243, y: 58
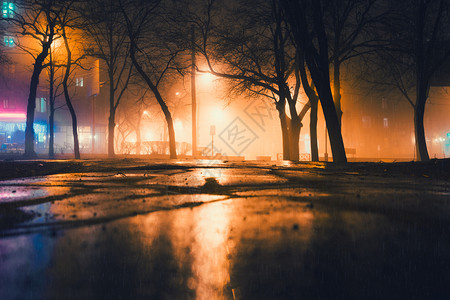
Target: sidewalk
x: 135, y: 229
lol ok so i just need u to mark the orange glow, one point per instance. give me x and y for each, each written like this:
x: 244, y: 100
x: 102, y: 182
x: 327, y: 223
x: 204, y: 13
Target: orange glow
x: 211, y: 249
x: 206, y: 80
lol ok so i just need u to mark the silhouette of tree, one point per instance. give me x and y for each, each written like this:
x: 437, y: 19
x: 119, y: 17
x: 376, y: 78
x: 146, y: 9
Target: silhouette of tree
x: 109, y: 43
x: 153, y: 49
x: 253, y: 50
x: 37, y: 22
x: 417, y: 45
x: 306, y: 21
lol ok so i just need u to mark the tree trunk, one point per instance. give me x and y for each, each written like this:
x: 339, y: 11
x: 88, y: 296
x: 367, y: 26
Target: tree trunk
x: 315, y: 51
x: 337, y: 90
x: 51, y: 147
x: 31, y: 106
x: 285, y: 137
x: 280, y: 106
x: 421, y: 144
x: 138, y: 135
x: 76, y: 145
x: 313, y: 102
x: 313, y: 129
x: 162, y: 104
x: 111, y: 130
x: 51, y: 119
x: 294, y: 138
x: 422, y: 84
x: 112, y: 113
x: 332, y: 121
x: 318, y: 67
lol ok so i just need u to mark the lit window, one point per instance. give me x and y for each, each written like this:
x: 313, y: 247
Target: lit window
x: 43, y: 105
x: 7, y: 9
x: 79, y: 81
x: 8, y: 41
x: 385, y: 123
x: 5, y: 103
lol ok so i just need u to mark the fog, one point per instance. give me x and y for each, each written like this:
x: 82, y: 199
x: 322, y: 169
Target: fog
x: 237, y: 115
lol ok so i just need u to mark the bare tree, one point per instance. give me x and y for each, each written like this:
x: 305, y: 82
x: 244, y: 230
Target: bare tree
x: 68, y: 21
x: 309, y: 34
x: 308, y: 87
x: 418, y: 45
x: 37, y: 22
x: 109, y: 36
x: 253, y: 50
x: 350, y: 26
x: 153, y: 49
x: 132, y: 111
x: 54, y: 84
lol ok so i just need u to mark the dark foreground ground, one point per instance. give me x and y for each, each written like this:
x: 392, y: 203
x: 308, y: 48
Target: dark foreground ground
x: 137, y: 229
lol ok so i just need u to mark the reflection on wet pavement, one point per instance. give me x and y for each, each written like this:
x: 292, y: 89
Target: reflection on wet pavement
x: 262, y: 233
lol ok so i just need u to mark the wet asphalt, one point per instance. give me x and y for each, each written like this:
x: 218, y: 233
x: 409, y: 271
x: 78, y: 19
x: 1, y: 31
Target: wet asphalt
x: 214, y: 230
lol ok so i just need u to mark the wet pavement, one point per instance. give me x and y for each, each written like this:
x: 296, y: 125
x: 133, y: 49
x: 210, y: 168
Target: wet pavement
x: 214, y: 230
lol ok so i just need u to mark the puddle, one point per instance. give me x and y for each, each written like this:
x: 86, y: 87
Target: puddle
x: 239, y: 248
x: 103, y: 207
x: 284, y: 192
x: 15, y: 194
x: 229, y: 177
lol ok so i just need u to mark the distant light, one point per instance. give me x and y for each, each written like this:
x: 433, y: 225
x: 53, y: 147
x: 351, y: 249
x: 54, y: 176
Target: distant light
x: 178, y: 126
x: 177, y: 94
x: 21, y: 116
x: 206, y: 79
x: 79, y: 81
x: 217, y: 114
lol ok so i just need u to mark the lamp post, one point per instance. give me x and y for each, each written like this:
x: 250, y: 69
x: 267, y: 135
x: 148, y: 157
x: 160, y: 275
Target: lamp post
x: 212, y: 131
x: 326, y: 146
x: 93, y: 124
x: 193, y: 96
x: 51, y: 121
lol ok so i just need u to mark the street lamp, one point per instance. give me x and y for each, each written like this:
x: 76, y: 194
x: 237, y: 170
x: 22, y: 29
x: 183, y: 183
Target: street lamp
x: 51, y: 150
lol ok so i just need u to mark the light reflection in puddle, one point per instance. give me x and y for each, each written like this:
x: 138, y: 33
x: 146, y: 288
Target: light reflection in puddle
x: 187, y: 253
x: 286, y: 192
x: 112, y: 205
x: 251, y: 248
x: 10, y: 194
x: 229, y: 177
x: 21, y: 255
x: 199, y: 242
x: 209, y: 162
x: 94, y: 178
x: 210, y: 249
x: 23, y: 181
x: 212, y: 239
